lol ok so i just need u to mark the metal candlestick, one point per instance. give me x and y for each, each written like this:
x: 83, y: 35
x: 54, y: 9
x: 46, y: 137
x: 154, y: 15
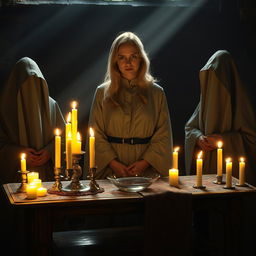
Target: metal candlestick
x: 75, y: 185
x: 57, y: 186
x: 23, y: 185
x: 94, y: 186
x: 218, y: 180
x: 199, y: 187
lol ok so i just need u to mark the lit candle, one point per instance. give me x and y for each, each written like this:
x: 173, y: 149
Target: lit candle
x: 199, y: 169
x: 92, y: 148
x: 23, y: 162
x: 228, y: 172
x: 219, y: 159
x: 241, y: 171
x: 174, y: 177
x: 31, y: 176
x: 74, y: 120
x: 69, y: 151
x: 68, y: 125
x: 31, y: 191
x: 175, y: 157
x: 41, y: 191
x: 77, y: 145
x: 37, y: 182
x: 57, y: 149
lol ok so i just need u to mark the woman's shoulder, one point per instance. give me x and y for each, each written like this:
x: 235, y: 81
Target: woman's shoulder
x: 156, y: 88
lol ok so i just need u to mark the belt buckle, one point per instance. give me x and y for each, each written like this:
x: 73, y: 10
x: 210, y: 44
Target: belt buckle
x: 122, y: 140
x: 131, y: 141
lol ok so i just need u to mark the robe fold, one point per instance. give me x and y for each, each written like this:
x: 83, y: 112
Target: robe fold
x: 132, y: 118
x: 224, y: 109
x: 28, y: 117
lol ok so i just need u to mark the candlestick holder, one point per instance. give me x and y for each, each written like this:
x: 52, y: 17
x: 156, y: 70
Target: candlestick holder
x: 229, y: 187
x: 218, y: 180
x: 94, y: 186
x: 199, y: 187
x: 57, y: 186
x: 241, y: 185
x: 75, y: 185
x: 23, y: 186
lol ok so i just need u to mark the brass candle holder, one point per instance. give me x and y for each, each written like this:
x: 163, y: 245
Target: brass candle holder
x: 218, y: 180
x: 57, y: 186
x: 94, y: 186
x: 75, y: 184
x: 23, y: 186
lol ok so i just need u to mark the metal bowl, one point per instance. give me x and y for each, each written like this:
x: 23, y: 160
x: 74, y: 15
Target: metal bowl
x: 133, y: 184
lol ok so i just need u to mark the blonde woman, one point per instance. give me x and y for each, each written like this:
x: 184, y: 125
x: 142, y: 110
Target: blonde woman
x: 130, y: 115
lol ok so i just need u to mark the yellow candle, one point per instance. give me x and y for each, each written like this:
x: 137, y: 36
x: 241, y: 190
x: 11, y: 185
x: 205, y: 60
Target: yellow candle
x: 228, y: 172
x: 92, y: 148
x: 241, y: 171
x: 174, y: 177
x: 77, y: 145
x: 175, y: 157
x: 31, y: 191
x: 74, y: 121
x: 57, y: 149
x: 41, y: 191
x: 23, y: 162
x: 219, y: 159
x: 68, y: 125
x: 69, y: 152
x: 199, y: 169
x: 31, y: 176
x: 37, y: 182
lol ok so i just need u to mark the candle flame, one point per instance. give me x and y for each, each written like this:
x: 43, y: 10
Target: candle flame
x: 242, y: 159
x: 200, y: 154
x: 91, y: 132
x: 23, y: 156
x: 220, y: 144
x: 69, y: 117
x: 78, y: 136
x: 176, y: 149
x: 57, y: 132
x: 69, y: 135
x: 228, y: 160
x: 74, y: 104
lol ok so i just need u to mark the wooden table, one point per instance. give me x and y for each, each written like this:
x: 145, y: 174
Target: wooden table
x: 41, y: 213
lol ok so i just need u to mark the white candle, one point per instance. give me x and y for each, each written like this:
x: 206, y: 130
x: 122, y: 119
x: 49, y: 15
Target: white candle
x: 92, y: 148
x: 31, y: 176
x: 57, y: 149
x: 174, y: 177
x: 219, y: 159
x: 37, y: 183
x: 199, y: 169
x: 31, y: 191
x: 23, y: 162
x: 228, y: 172
x: 241, y: 171
x: 41, y: 191
x: 175, y: 157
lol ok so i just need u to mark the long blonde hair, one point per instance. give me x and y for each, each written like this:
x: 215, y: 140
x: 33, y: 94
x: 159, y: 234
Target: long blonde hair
x: 113, y: 76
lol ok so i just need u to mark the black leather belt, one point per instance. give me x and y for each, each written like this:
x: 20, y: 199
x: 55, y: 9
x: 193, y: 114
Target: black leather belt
x: 131, y: 141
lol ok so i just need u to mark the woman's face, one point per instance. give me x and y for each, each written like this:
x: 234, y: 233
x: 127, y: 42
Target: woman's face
x: 128, y: 60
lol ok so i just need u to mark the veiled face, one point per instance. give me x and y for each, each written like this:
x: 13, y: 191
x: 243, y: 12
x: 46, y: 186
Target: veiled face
x: 128, y: 60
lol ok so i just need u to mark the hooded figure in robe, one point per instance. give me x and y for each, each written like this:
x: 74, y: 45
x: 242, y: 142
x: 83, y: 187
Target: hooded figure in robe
x: 223, y: 113
x: 130, y: 115
x: 28, y: 117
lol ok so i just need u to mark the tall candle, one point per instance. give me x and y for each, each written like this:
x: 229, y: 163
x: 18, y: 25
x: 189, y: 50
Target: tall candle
x: 228, y: 172
x: 57, y: 149
x: 175, y: 157
x: 23, y: 162
x: 74, y: 121
x: 76, y: 149
x: 68, y: 125
x: 69, y: 151
x: 199, y: 169
x: 241, y: 171
x: 174, y: 177
x: 219, y: 159
x: 92, y: 148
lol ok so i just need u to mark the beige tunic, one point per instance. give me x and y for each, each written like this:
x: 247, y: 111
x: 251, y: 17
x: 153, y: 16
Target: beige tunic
x: 28, y: 117
x: 224, y: 109
x: 132, y: 118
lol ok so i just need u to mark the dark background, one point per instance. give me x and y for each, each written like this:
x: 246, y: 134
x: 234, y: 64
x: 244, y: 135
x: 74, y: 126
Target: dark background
x: 70, y: 43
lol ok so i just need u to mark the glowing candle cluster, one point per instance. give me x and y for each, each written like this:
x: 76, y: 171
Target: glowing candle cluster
x: 34, y: 186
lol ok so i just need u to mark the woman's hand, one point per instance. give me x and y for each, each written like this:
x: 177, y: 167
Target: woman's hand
x: 118, y: 168
x: 209, y: 142
x: 36, y: 158
x: 137, y: 168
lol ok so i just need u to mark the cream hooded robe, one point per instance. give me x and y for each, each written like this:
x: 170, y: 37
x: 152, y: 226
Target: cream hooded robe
x: 28, y: 117
x: 224, y: 109
x: 132, y: 118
